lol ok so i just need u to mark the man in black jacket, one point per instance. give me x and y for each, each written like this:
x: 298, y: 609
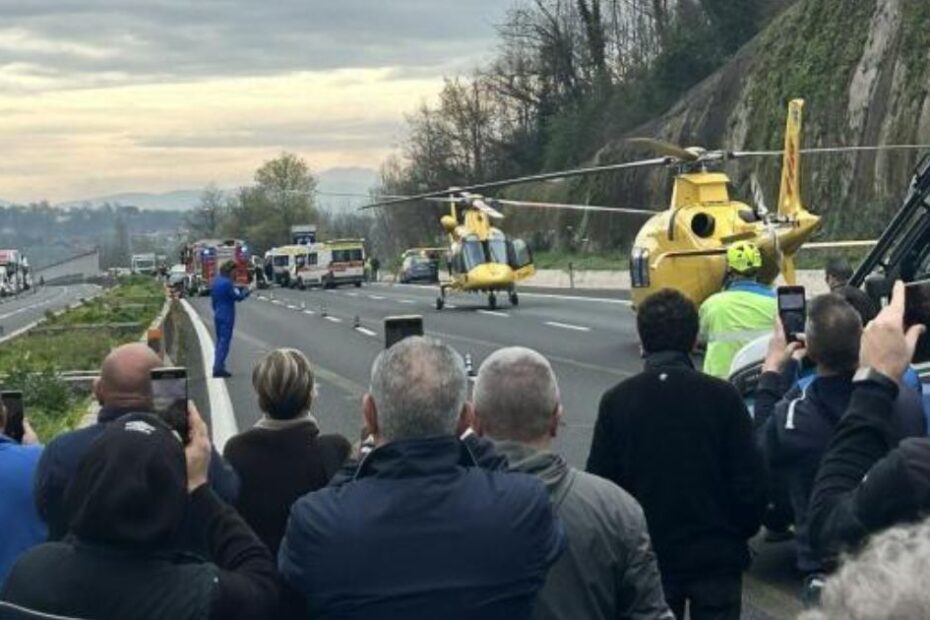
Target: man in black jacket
x: 865, y: 483
x: 681, y: 443
x: 124, y: 387
x: 795, y: 421
x: 127, y: 502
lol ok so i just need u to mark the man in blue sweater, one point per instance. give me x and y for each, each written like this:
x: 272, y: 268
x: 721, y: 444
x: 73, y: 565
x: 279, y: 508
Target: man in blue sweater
x: 225, y: 295
x: 22, y: 528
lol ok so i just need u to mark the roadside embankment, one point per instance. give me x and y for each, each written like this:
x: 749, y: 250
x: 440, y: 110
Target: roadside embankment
x: 53, y: 363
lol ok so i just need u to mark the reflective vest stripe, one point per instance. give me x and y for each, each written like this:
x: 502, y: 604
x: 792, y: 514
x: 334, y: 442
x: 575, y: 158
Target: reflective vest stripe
x: 745, y: 335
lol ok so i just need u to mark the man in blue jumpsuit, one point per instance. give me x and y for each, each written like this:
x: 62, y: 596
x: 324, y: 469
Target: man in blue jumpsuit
x: 224, y: 295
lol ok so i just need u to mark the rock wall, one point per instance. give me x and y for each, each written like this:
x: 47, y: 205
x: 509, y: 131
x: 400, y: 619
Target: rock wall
x: 863, y: 66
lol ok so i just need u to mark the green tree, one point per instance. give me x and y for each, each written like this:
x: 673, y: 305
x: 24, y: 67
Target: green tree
x: 204, y: 220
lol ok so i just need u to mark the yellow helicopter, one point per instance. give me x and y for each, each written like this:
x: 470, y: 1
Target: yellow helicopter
x: 682, y: 247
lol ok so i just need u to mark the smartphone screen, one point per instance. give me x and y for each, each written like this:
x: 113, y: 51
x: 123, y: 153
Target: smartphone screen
x: 792, y: 310
x: 169, y: 396
x: 15, y: 413
x: 396, y: 328
x: 917, y: 312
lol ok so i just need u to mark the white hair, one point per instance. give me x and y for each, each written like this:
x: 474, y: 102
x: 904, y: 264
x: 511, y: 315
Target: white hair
x: 516, y: 394
x: 419, y: 386
x: 886, y: 581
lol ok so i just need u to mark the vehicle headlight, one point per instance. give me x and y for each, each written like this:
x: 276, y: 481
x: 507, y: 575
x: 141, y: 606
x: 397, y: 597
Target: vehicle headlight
x: 639, y: 268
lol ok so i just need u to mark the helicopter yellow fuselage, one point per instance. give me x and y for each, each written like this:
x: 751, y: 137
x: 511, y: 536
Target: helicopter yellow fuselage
x: 684, y: 248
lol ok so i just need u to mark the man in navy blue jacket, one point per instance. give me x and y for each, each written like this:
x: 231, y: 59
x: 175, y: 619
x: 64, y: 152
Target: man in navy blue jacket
x: 124, y: 387
x: 794, y: 426
x: 225, y: 295
x: 421, y: 531
x: 22, y: 528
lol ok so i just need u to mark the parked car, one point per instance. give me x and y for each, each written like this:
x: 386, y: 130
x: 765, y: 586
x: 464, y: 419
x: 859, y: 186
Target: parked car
x: 419, y: 269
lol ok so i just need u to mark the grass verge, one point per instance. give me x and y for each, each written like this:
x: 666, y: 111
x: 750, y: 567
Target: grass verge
x: 32, y: 362
x: 607, y: 261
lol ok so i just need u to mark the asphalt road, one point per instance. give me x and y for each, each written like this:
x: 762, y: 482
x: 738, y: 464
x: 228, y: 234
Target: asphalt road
x: 589, y: 337
x: 18, y: 312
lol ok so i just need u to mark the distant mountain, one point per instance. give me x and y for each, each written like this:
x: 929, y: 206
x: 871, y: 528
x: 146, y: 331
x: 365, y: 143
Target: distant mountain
x: 337, y: 181
x: 333, y: 184
x: 178, y: 200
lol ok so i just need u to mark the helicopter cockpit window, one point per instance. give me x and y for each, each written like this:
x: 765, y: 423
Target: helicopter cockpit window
x: 497, y: 249
x: 520, y: 254
x: 472, y: 253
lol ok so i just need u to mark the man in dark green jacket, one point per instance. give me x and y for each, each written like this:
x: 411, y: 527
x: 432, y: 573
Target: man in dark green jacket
x: 517, y: 406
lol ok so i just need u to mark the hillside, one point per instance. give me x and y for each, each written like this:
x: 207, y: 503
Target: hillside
x: 861, y: 65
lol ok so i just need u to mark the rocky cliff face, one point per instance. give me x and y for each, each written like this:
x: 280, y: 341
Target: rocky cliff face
x: 863, y: 66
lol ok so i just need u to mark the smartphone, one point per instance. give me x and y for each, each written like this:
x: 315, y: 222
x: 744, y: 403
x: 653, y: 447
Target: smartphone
x: 917, y: 312
x: 792, y: 310
x: 396, y: 328
x: 169, y: 396
x: 15, y: 414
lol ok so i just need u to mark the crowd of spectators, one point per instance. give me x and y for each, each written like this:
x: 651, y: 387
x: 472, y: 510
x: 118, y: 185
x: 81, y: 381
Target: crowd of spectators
x: 461, y: 505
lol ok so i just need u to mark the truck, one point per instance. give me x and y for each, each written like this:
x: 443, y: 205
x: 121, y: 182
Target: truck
x: 203, y: 258
x: 14, y: 273
x: 303, y: 234
x: 144, y: 264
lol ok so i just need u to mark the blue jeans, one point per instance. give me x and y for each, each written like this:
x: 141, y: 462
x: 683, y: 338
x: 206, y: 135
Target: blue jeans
x: 224, y: 332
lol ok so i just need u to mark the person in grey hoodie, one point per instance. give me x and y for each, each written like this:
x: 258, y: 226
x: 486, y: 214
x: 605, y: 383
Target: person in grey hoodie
x: 608, y: 570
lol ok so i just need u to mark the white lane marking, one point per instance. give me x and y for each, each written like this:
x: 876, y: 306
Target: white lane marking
x: 334, y: 319
x: 352, y: 294
x: 577, y: 328
x: 366, y: 331
x: 406, y: 301
x: 262, y: 298
x: 291, y: 307
x: 495, y: 313
x: 602, y: 300
x: 222, y: 415
x: 376, y: 297
x: 310, y: 312
x: 451, y: 307
x: 277, y: 302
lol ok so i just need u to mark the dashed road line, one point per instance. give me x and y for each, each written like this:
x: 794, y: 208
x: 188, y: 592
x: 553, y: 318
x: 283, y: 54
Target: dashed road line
x: 334, y: 319
x: 600, y: 300
x: 577, y: 328
x: 310, y: 312
x: 376, y: 297
x: 366, y: 331
x: 406, y: 301
x: 352, y: 294
x: 495, y: 313
x: 291, y: 307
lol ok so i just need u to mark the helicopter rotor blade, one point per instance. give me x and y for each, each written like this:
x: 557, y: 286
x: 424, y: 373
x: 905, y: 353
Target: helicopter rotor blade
x: 487, y: 209
x: 758, y: 195
x: 664, y: 148
x: 563, y: 174
x: 574, y: 207
x: 836, y: 149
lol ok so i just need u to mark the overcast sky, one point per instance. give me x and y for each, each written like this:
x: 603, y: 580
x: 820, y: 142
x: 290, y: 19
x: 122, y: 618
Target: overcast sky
x: 106, y: 96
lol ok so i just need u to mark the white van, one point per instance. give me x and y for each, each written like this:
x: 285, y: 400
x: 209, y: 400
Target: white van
x: 313, y: 269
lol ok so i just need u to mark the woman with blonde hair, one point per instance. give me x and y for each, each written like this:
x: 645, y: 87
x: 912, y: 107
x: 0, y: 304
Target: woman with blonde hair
x: 284, y: 456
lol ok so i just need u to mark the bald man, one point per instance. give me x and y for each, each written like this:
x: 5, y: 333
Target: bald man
x: 124, y: 386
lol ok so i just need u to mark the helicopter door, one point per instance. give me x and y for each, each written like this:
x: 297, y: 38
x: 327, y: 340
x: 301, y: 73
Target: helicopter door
x: 520, y: 258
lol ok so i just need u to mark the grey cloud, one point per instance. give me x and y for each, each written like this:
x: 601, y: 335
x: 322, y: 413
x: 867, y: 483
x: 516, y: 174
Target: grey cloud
x: 169, y: 39
x: 300, y: 136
